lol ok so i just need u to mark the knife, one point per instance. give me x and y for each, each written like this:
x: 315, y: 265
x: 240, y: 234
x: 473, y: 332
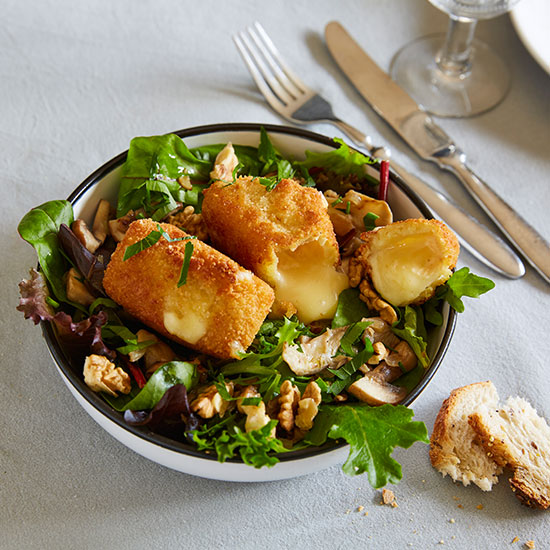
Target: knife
x: 430, y: 142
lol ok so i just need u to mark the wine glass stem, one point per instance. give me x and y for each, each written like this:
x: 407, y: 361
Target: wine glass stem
x: 454, y: 58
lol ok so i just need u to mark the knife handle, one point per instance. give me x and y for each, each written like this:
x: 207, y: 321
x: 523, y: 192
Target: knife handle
x: 475, y: 237
x: 527, y: 240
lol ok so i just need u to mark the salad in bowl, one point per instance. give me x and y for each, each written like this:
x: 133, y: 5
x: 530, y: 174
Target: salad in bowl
x: 235, y: 300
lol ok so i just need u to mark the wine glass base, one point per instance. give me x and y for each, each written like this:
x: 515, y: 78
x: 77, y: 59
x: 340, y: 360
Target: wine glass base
x: 485, y: 85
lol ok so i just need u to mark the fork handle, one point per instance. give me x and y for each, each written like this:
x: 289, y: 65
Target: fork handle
x: 475, y: 237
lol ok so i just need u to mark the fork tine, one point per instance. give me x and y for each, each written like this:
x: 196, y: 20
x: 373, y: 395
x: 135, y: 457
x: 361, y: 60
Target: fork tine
x: 267, y: 75
x: 296, y: 81
x: 270, y: 97
x: 265, y: 48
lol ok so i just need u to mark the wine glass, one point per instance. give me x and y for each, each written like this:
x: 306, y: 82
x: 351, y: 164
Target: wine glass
x: 455, y: 75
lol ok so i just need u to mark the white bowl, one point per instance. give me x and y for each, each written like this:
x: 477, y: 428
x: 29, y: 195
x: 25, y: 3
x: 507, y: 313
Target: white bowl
x: 103, y: 183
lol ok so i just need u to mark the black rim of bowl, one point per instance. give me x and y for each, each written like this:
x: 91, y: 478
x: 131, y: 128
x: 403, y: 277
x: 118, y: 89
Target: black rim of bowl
x: 62, y: 360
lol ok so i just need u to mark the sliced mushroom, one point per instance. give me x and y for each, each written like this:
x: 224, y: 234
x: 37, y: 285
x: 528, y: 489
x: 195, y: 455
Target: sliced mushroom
x: 374, y: 391
x: 76, y: 289
x: 317, y: 353
x: 380, y: 331
x: 156, y: 354
x: 359, y: 206
x: 375, y: 388
x: 85, y: 236
x: 119, y: 226
x: 100, y: 226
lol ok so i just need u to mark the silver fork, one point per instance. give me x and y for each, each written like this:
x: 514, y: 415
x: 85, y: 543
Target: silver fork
x: 291, y: 98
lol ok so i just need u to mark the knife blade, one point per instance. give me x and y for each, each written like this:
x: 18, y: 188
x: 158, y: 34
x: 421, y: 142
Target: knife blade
x: 430, y: 142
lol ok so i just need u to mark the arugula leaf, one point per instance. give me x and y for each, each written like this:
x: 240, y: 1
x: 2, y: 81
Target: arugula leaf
x: 265, y: 363
x: 342, y: 161
x: 170, y: 374
x: 463, y: 283
x: 372, y: 433
x: 350, y: 308
x: 411, y: 329
x: 39, y: 228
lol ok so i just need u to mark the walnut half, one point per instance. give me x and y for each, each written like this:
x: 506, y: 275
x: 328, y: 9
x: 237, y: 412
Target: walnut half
x: 100, y: 374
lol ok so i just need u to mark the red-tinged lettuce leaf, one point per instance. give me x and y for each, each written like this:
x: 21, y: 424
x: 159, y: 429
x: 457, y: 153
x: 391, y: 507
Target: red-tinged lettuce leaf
x: 33, y: 302
x: 372, y: 433
x: 84, y: 337
x: 171, y: 416
x: 89, y: 265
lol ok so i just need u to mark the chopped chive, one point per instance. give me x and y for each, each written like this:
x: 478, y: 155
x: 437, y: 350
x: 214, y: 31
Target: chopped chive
x: 369, y: 220
x: 348, y: 207
x: 253, y: 401
x: 186, y: 261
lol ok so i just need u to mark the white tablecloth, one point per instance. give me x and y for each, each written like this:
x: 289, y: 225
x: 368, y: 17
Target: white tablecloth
x: 78, y: 81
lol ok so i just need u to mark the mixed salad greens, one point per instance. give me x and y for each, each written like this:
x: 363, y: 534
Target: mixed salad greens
x: 150, y: 186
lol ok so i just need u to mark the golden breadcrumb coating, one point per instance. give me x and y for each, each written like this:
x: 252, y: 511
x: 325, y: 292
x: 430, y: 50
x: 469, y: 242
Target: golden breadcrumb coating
x: 218, y: 311
x: 252, y: 225
x: 279, y: 234
x: 407, y: 260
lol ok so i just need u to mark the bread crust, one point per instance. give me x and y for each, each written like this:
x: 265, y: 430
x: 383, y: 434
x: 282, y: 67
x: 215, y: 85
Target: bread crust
x: 530, y: 489
x: 443, y: 452
x: 230, y: 300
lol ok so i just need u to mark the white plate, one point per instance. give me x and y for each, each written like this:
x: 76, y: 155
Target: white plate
x: 531, y: 18
x: 103, y: 183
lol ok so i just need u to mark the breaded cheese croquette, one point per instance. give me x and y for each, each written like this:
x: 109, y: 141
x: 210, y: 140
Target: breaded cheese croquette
x: 284, y: 236
x: 408, y: 259
x: 219, y: 309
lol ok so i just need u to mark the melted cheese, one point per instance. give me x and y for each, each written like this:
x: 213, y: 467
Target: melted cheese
x: 305, y: 279
x: 401, y: 271
x: 187, y: 325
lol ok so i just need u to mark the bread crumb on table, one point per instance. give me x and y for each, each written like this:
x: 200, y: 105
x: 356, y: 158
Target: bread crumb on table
x: 530, y: 544
x: 388, y: 497
x: 479, y: 506
x: 515, y: 539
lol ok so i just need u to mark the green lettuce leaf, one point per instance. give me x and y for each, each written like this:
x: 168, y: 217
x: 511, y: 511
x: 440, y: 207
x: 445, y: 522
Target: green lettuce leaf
x: 149, y: 176
x: 350, y: 308
x: 372, y: 433
x: 170, y: 374
x: 342, y: 161
x: 40, y: 227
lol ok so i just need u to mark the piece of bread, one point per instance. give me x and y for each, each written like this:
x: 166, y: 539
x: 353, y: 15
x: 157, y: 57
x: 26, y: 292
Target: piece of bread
x: 218, y: 311
x: 284, y: 235
x: 517, y: 438
x: 474, y: 438
x: 454, y: 449
x: 407, y: 260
